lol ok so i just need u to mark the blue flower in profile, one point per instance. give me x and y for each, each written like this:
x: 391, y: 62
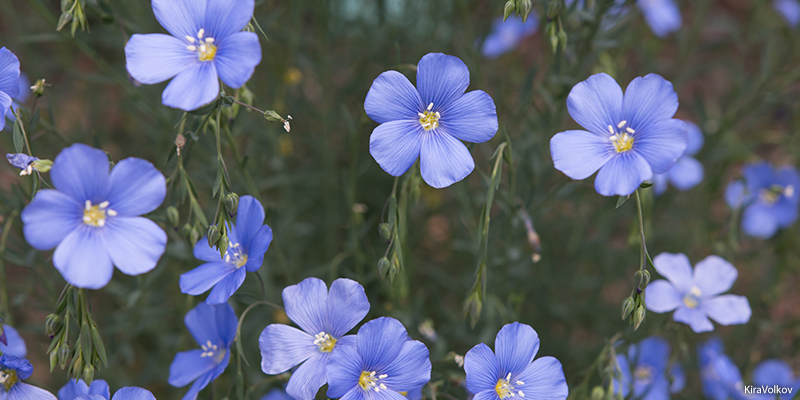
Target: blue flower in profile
x: 248, y: 241
x: 429, y: 121
x: 126, y: 393
x: 696, y: 296
x: 771, y: 373
x: 720, y: 378
x: 381, y: 363
x: 15, y: 345
x: 206, y: 44
x: 92, y: 217
x: 771, y: 198
x: 213, y: 327
x: 324, y: 317
x: 506, y: 35
x: 628, y: 139
x: 789, y: 10
x: 644, y: 371
x: 76, y: 388
x: 9, y: 81
x: 687, y: 171
x: 22, y: 161
x: 662, y: 16
x: 13, y: 371
x: 510, y: 370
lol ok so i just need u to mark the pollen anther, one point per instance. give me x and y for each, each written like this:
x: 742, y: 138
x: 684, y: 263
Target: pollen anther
x: 429, y: 119
x: 325, y: 342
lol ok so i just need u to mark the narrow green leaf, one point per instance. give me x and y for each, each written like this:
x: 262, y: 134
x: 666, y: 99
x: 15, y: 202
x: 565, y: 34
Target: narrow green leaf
x: 19, y: 141
x: 620, y: 201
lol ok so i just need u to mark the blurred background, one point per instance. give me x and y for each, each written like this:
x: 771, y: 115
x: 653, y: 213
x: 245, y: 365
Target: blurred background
x: 734, y: 65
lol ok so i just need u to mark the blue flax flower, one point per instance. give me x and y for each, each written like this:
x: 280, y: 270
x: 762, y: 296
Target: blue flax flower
x: 506, y: 35
x: 687, y: 171
x: 9, y: 82
x: 13, y: 371
x: 771, y: 198
x: 324, y: 317
x: 15, y: 345
x: 22, y: 161
x: 207, y: 44
x: 627, y: 138
x: 775, y: 374
x: 92, y: 217
x: 76, y: 388
x: 382, y: 363
x: 429, y: 121
x: 510, y: 370
x: 214, y: 329
x: 248, y: 241
x: 644, y: 370
x: 662, y: 16
x: 789, y: 10
x: 720, y: 378
x: 696, y: 295
x: 126, y: 393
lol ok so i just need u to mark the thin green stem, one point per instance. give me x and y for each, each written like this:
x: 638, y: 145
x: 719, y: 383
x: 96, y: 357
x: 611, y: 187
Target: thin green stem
x: 643, y: 255
x: 248, y: 106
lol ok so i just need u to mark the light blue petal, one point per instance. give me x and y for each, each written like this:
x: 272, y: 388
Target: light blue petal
x: 135, y: 187
x: 695, y: 318
x: 249, y: 219
x: 216, y: 324
x: 506, y: 35
x: 734, y: 194
x: 282, y: 347
x: 695, y: 138
x: 309, y: 377
x: 154, y: 58
x: 181, y: 18
x: 411, y: 369
x: 654, y: 389
x: 204, y: 277
x: 543, y: 380
x: 83, y: 260
x: 193, y: 88
x: 759, y: 221
x: 392, y: 97
x: 237, y: 57
x: 773, y: 372
x: 198, y: 385
x: 490, y: 394
x: 677, y: 269
x: 444, y: 160
x: 758, y: 175
x: 347, y: 306
x: 306, y: 306
x: 471, y: 118
x: 686, y: 173
x: 344, y: 369
x: 133, y: 393
x: 596, y: 103
x: 277, y: 394
x: 789, y: 10
x: 202, y: 251
x: 395, y: 145
x: 5, y: 103
x: 259, y: 245
x: 355, y: 393
x: 713, y: 275
x: 579, y: 154
x: 663, y: 16
x: 728, y: 309
x: 622, y: 175
x: 24, y: 89
x: 662, y: 296
x: 654, y: 352
x: 225, y: 18
x: 441, y: 79
x: 9, y: 73
x: 649, y: 100
x: 678, y: 378
x: 515, y: 346
x: 482, y: 369
x: 188, y: 366
x: 623, y: 383
x: 81, y: 172
x: 223, y: 290
x: 16, y: 345
x: 50, y: 217
x: 134, y: 244
x: 100, y: 388
x: 24, y: 391
x: 660, y: 183
x: 661, y: 143
x: 415, y: 394
x: 78, y: 388
x: 379, y: 342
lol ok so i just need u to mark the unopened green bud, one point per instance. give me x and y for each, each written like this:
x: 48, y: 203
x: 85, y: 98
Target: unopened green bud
x: 383, y: 266
x: 598, y: 393
x: 508, y: 10
x: 525, y: 7
x: 53, y: 360
x: 174, y: 216
x: 186, y: 231
x: 38, y: 87
x: 385, y: 231
x: 232, y: 203
x: 226, y: 101
x: 562, y: 38
x: 52, y: 325
x: 42, y: 165
x: 213, y: 235
x: 627, y: 307
x: 88, y: 373
x: 394, y: 268
x: 272, y: 116
x: 223, y: 245
x: 638, y: 317
x: 63, y: 356
x: 642, y: 278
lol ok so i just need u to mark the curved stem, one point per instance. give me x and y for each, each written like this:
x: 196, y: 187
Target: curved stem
x: 643, y: 255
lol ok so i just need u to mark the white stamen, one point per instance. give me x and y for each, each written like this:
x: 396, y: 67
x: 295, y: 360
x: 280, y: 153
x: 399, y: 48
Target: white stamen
x: 630, y: 130
x: 210, y: 40
x: 430, y: 106
x: 88, y: 205
x: 191, y: 48
x: 103, y: 205
x: 111, y: 213
x: 621, y: 124
x: 201, y: 33
x: 190, y: 39
x: 611, y: 130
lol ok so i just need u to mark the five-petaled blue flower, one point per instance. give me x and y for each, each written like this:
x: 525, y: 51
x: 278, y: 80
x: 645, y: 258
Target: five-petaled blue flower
x: 126, y: 393
x: 771, y: 373
x: 22, y: 161
x: 381, y: 364
x: 429, y: 121
x: 9, y: 82
x: 93, y: 216
x: 13, y: 371
x: 644, y: 370
x: 687, y: 171
x: 720, y: 378
x: 789, y: 10
x: 214, y: 329
x: 248, y: 241
x: 627, y: 138
x: 506, y: 35
x: 76, y: 388
x: 771, y: 198
x: 696, y: 295
x: 207, y: 44
x: 15, y: 345
x: 324, y: 317
x: 511, y: 371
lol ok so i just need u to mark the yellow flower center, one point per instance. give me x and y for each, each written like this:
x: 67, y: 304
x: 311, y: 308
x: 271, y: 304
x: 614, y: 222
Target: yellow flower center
x: 772, y: 195
x: 621, y: 138
x: 371, y: 381
x: 95, y: 215
x: 235, y: 255
x: 504, y: 388
x: 325, y: 342
x: 203, y: 46
x: 429, y: 119
x: 8, y: 378
x: 212, y: 350
x: 643, y: 373
x: 692, y: 298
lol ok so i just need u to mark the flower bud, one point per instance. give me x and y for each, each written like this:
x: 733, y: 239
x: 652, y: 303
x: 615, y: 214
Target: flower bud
x: 508, y: 10
x: 52, y: 325
x: 525, y: 7
x: 213, y: 235
x: 232, y: 203
x: 53, y: 360
x: 642, y: 278
x: 88, y: 373
x: 383, y: 266
x: 627, y: 307
x: 598, y: 393
x: 223, y: 245
x: 385, y: 231
x: 63, y: 356
x: 174, y: 216
x: 186, y: 231
x: 638, y: 317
